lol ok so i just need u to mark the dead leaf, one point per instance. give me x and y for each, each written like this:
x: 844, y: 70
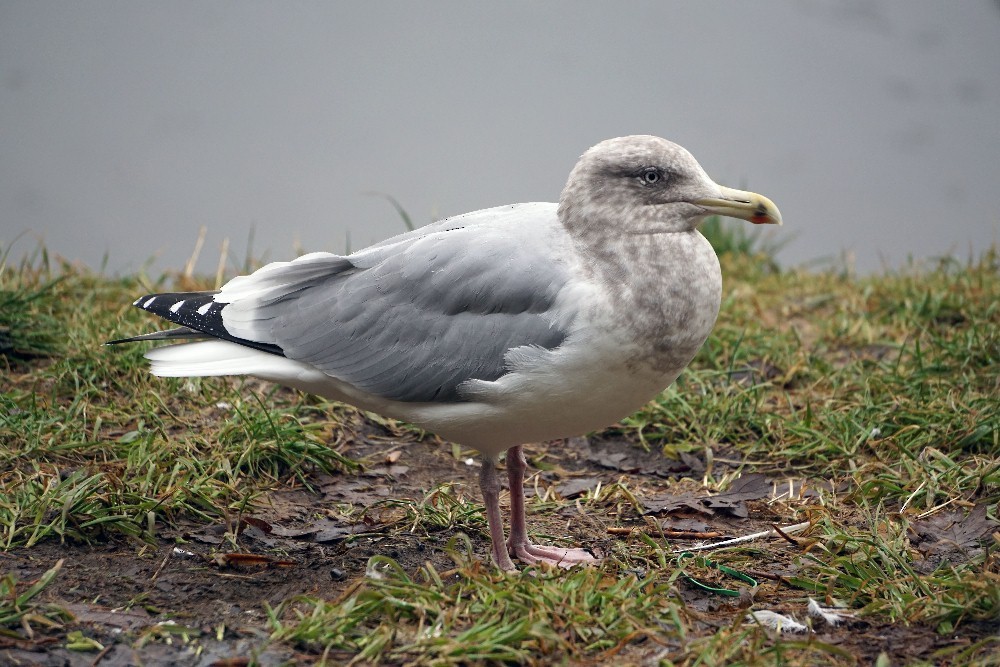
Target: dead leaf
x: 334, y: 533
x: 680, y: 524
x: 355, y: 491
x: 748, y: 487
x: 322, y: 530
x: 952, y: 536
x: 626, y: 457
x: 669, y: 502
x: 259, y: 524
x: 294, y: 532
x: 577, y: 487
x: 210, y: 534
x: 696, y: 464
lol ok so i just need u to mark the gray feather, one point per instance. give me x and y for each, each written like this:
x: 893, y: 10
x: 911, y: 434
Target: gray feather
x: 413, y: 318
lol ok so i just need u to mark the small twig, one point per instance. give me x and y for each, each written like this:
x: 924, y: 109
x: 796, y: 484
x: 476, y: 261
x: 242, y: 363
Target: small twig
x: 349, y: 591
x: 220, y: 272
x: 189, y: 267
x: 692, y: 534
x: 163, y: 563
x: 785, y: 535
x: 910, y: 498
x: 100, y: 656
x: 936, y: 509
x: 789, y: 530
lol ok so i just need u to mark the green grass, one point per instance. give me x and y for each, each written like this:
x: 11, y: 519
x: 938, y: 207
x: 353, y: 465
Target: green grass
x: 885, y: 386
x: 92, y: 446
x: 576, y: 614
x: 18, y: 606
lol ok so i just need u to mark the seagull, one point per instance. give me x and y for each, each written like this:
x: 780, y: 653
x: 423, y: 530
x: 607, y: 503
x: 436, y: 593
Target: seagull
x: 496, y: 328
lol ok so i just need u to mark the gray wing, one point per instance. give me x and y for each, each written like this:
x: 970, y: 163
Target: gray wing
x: 414, y: 317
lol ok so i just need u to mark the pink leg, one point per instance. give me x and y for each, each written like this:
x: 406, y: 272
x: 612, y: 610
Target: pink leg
x: 490, y: 486
x: 518, y: 542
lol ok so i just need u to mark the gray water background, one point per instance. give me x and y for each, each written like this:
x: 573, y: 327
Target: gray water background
x: 127, y: 126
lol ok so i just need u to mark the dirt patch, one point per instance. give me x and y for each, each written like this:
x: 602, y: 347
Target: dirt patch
x: 192, y: 599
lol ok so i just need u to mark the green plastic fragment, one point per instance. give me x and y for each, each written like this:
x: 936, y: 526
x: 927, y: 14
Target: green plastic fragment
x: 701, y: 561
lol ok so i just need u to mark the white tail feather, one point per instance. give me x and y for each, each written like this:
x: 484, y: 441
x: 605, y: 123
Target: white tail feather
x: 218, y: 357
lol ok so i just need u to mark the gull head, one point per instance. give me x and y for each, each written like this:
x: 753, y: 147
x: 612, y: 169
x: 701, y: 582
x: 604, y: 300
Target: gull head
x: 647, y: 185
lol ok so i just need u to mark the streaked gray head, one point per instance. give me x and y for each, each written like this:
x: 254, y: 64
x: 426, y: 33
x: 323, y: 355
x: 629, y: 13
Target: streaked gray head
x: 642, y: 184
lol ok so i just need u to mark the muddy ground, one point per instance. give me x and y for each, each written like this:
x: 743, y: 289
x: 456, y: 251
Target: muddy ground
x: 318, y: 543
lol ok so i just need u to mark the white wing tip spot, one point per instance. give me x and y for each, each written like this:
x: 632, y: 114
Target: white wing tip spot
x: 204, y: 309
x: 177, y: 306
x: 149, y: 301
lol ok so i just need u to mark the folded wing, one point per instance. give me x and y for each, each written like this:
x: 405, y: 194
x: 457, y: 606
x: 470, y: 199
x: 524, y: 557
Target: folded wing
x: 410, y: 319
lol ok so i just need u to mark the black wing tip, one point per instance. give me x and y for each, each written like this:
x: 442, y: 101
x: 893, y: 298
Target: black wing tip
x: 130, y: 339
x: 198, y: 315
x: 193, y: 310
x: 180, y: 333
x: 118, y: 341
x: 148, y: 301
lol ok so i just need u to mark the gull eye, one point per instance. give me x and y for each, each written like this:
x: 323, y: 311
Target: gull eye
x: 650, y: 176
